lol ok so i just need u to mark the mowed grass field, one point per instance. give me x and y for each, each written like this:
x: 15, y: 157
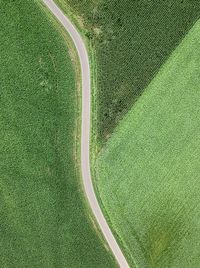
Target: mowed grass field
x: 44, y: 220
x: 131, y: 40
x: 149, y: 173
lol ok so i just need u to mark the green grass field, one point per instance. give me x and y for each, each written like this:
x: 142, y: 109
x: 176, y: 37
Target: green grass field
x: 44, y: 220
x: 132, y: 39
x: 148, y: 173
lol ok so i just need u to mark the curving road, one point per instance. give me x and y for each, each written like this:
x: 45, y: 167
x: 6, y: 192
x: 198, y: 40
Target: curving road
x: 85, y: 135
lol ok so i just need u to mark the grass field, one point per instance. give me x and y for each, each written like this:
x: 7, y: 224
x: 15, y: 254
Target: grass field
x: 148, y: 173
x: 132, y: 39
x: 44, y: 220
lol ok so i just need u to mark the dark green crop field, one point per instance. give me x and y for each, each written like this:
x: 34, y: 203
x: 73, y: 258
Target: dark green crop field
x: 44, y: 219
x: 132, y: 39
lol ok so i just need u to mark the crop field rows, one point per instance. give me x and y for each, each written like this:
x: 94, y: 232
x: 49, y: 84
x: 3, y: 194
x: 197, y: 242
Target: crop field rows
x: 148, y: 173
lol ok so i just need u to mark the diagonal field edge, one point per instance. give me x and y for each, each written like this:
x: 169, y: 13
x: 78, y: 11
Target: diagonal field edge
x: 85, y: 133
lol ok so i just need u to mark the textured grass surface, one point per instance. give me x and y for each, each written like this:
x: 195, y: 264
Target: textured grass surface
x: 132, y: 39
x: 148, y: 174
x: 43, y: 217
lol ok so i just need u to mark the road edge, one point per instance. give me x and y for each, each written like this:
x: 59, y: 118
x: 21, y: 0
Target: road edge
x: 85, y: 132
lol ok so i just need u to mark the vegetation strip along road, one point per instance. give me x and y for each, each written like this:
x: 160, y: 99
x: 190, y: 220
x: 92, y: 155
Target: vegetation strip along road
x: 85, y: 137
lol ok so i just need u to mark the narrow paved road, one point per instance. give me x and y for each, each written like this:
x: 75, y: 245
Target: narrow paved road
x: 85, y: 135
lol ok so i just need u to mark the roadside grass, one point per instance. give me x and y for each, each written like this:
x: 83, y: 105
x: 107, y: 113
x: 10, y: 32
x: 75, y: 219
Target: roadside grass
x: 43, y: 214
x: 131, y: 40
x: 148, y: 173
